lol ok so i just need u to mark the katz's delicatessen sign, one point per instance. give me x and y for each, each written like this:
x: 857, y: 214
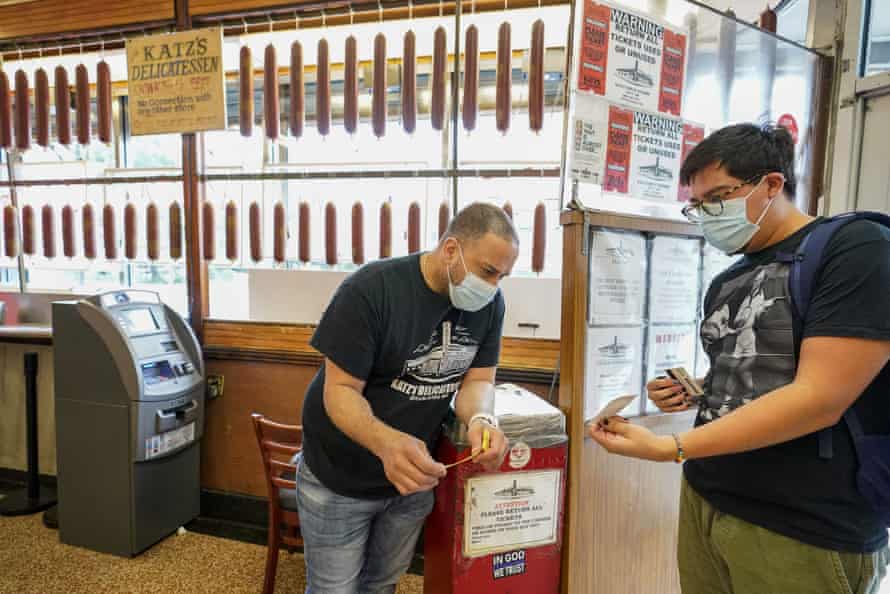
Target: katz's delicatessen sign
x: 176, y: 82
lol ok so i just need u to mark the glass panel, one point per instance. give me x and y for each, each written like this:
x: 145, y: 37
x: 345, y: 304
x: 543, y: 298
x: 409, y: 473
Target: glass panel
x: 878, y: 42
x: 734, y: 73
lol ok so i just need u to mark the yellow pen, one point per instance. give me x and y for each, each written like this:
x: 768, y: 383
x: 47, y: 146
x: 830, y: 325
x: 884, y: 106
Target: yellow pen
x: 486, y: 443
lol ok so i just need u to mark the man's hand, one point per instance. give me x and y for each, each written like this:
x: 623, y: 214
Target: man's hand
x: 619, y: 436
x: 408, y: 464
x: 668, y: 395
x: 492, y: 457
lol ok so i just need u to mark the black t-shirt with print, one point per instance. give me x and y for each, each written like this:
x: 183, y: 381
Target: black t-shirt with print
x: 386, y: 326
x: 747, y: 333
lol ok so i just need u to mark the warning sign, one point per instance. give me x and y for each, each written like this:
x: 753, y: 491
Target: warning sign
x: 631, y: 59
x: 505, y: 512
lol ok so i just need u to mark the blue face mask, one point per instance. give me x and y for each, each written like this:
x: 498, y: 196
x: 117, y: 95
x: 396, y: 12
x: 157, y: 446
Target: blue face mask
x: 730, y: 231
x: 473, y: 293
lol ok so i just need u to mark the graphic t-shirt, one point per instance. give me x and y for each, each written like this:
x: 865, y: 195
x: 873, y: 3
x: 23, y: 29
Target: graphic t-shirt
x: 748, y: 334
x: 386, y: 326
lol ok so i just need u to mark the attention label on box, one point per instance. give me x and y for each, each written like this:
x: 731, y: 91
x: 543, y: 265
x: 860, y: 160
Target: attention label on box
x: 509, y: 511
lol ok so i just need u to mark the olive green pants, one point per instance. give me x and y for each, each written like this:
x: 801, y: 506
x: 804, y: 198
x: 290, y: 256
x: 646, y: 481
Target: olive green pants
x: 721, y: 554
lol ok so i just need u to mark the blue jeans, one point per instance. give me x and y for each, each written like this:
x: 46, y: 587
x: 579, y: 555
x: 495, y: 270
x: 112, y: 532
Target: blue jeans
x: 356, y: 545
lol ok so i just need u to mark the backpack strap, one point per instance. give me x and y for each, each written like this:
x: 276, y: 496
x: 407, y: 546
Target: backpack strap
x: 806, y: 263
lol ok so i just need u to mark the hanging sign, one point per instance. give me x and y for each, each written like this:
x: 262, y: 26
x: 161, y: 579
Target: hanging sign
x: 176, y: 82
x: 655, y: 157
x: 631, y: 59
x: 693, y: 134
x: 588, y: 142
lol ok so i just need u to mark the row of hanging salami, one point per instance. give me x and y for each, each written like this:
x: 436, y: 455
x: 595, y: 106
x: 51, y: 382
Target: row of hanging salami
x: 132, y: 228
x: 15, y: 115
x: 379, y: 116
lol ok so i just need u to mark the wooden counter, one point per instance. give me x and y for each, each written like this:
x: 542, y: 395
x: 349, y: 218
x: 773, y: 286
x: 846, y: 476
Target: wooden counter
x: 26, y: 334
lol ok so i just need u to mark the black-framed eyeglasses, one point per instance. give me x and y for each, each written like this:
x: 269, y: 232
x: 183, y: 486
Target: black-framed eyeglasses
x: 712, y: 205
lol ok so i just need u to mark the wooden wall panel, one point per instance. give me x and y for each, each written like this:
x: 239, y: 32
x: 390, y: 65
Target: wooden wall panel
x: 290, y: 342
x: 230, y: 459
x: 627, y: 519
x: 57, y: 16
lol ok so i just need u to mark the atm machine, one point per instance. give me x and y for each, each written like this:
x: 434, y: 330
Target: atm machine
x: 129, y: 391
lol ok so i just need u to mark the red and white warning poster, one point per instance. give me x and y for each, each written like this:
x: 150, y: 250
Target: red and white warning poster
x: 631, y: 59
x: 655, y: 156
x: 692, y: 135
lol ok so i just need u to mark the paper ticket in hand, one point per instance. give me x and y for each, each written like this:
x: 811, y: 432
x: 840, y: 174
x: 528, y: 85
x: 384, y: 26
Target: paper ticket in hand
x: 611, y: 409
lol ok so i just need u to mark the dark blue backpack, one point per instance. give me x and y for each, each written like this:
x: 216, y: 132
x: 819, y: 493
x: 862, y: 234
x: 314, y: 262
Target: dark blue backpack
x: 872, y: 451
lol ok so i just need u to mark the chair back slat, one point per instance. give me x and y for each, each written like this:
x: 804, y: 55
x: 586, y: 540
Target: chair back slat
x: 282, y: 441
x: 285, y: 449
x: 282, y: 483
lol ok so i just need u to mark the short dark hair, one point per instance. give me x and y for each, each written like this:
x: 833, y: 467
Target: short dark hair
x: 746, y: 151
x: 479, y: 218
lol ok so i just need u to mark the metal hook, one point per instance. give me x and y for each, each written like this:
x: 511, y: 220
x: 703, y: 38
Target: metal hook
x: 410, y: 10
x: 351, y: 15
x: 379, y: 11
x: 244, y: 22
x: 440, y: 8
x: 271, y: 24
x: 324, y: 19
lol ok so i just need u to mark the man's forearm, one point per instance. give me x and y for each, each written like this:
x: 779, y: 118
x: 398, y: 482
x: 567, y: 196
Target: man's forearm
x: 473, y: 398
x: 351, y: 413
x: 779, y: 416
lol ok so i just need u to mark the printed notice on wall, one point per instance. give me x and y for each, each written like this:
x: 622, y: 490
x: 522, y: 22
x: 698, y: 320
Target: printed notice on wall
x: 670, y: 346
x: 588, y: 141
x: 508, y: 511
x: 655, y: 157
x: 176, y: 82
x: 614, y: 366
x: 631, y: 59
x: 674, y: 287
x: 617, y: 278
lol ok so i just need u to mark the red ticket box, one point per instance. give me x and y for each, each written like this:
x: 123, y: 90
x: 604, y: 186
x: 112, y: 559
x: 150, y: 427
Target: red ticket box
x: 501, y: 532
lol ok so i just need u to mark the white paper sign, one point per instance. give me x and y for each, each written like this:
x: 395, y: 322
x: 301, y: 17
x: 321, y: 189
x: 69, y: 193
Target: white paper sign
x: 588, y: 142
x: 702, y: 361
x: 614, y: 366
x: 158, y: 445
x: 631, y: 58
x: 670, y: 346
x: 611, y: 409
x: 655, y: 157
x: 713, y: 263
x: 513, y: 510
x: 617, y: 278
x: 674, y: 288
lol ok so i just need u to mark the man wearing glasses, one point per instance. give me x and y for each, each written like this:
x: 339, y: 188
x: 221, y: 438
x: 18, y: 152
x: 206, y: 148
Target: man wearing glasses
x: 762, y: 510
x: 400, y: 338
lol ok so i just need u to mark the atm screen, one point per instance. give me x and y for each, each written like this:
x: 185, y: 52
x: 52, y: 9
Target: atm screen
x: 140, y: 320
x: 159, y: 371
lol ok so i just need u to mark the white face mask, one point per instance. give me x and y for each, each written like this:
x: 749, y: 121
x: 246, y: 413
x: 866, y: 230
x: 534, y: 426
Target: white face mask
x: 473, y: 293
x: 731, y: 230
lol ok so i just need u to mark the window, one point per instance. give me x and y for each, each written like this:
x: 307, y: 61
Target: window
x: 298, y: 288
x: 878, y: 42
x: 59, y: 271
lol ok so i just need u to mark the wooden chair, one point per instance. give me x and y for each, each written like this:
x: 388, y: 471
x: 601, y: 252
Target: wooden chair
x: 278, y: 444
